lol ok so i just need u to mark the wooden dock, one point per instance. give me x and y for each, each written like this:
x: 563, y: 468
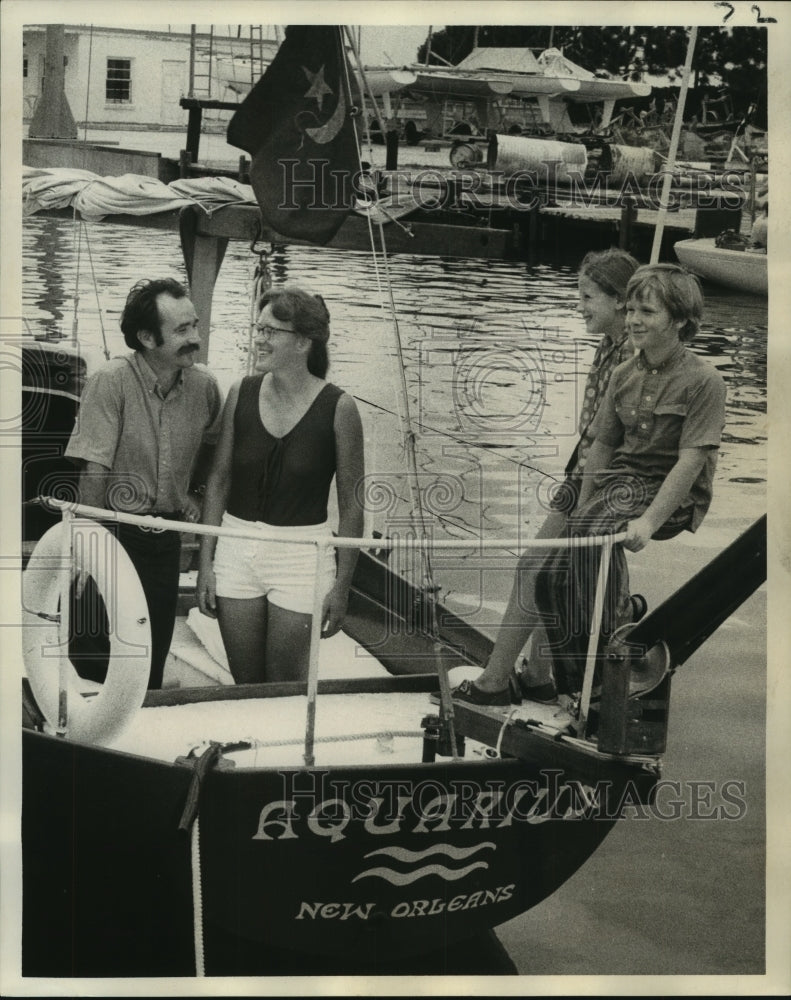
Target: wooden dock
x: 464, y: 213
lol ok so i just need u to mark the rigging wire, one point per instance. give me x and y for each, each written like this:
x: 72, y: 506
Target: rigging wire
x: 77, y: 241
x: 429, y: 589
x: 79, y: 225
x: 77, y: 228
x: 105, y: 348
x: 436, y: 431
x: 410, y: 436
x: 87, y: 96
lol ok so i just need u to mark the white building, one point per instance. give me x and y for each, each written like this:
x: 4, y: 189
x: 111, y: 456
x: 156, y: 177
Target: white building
x: 127, y: 78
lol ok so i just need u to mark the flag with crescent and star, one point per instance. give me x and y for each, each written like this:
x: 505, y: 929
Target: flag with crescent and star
x: 296, y: 124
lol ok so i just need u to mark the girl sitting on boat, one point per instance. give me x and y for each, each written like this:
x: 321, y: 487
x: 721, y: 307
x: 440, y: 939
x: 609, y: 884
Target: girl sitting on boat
x: 286, y: 433
x: 603, y: 278
x: 649, y: 471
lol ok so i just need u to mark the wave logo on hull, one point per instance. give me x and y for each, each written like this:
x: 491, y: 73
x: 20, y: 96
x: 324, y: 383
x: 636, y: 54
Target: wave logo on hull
x: 447, y: 852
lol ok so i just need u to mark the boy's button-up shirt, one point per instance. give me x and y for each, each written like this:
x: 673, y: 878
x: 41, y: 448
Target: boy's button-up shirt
x: 649, y: 413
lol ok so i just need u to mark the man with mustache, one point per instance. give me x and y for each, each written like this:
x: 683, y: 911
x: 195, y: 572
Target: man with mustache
x: 147, y: 425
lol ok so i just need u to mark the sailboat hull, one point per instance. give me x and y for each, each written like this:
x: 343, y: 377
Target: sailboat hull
x: 740, y: 270
x: 352, y: 866
x: 346, y: 867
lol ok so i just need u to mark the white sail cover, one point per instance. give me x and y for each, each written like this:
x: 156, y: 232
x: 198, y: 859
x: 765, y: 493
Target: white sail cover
x: 505, y: 60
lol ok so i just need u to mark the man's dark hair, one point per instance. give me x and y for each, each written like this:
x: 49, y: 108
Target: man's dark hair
x: 141, y: 312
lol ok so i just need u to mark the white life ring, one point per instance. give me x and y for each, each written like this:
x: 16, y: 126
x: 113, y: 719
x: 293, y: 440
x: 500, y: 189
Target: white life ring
x: 101, y: 717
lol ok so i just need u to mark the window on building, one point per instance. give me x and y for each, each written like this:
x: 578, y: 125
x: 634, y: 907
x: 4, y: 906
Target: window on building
x: 24, y: 67
x: 118, y: 87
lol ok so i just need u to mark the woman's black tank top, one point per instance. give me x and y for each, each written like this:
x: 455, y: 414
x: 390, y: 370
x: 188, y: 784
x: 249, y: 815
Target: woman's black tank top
x: 282, y: 481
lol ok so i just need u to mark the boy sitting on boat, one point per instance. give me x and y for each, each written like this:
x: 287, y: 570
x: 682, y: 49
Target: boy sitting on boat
x: 649, y: 473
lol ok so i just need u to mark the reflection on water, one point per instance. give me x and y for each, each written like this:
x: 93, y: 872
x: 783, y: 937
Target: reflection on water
x: 494, y: 356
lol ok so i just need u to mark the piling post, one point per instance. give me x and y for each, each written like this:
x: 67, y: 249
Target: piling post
x: 391, y: 145
x: 626, y: 227
x: 203, y: 257
x: 533, y: 233
x: 195, y: 116
x: 185, y: 159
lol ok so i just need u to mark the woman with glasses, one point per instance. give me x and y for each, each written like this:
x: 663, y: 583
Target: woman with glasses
x: 286, y: 434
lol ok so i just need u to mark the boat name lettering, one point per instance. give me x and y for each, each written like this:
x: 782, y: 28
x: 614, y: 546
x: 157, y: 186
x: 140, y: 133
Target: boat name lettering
x: 407, y: 907
x: 329, y: 911
x: 435, y: 811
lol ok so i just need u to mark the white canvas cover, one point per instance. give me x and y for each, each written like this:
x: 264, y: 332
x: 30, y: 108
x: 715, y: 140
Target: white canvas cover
x: 505, y: 60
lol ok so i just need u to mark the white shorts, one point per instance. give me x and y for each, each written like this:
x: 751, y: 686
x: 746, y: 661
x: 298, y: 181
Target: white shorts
x: 280, y: 570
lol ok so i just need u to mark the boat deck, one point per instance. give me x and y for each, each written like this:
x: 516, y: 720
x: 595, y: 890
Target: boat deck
x: 351, y: 728
x: 197, y: 657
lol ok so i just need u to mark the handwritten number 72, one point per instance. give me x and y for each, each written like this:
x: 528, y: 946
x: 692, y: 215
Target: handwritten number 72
x: 755, y: 8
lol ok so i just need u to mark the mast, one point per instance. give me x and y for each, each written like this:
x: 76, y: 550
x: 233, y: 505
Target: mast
x: 408, y: 430
x: 191, y: 91
x: 664, y: 198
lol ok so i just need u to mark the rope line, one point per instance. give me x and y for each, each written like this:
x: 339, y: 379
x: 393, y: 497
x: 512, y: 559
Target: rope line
x: 262, y: 282
x: 156, y: 523
x: 197, y: 900
x: 505, y: 725
x: 254, y: 744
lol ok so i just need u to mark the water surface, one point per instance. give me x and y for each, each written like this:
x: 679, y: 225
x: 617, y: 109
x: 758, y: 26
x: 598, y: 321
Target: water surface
x: 493, y: 354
